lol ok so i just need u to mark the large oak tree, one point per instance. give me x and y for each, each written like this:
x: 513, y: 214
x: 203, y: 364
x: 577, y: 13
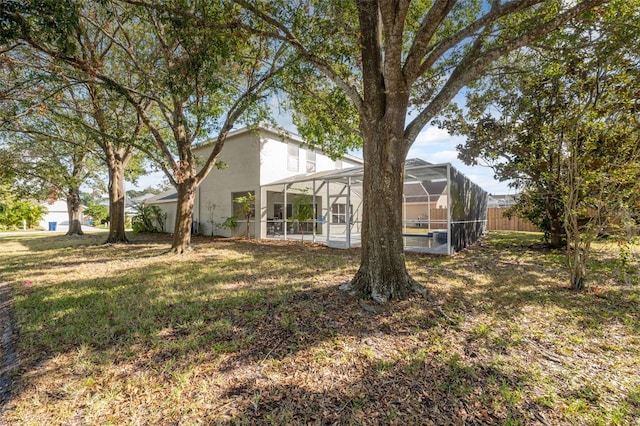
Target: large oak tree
x: 397, y: 64
x: 188, y: 83
x: 39, y: 121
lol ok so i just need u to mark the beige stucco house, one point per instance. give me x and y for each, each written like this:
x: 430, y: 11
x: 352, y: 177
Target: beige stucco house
x: 255, y: 159
x: 443, y: 211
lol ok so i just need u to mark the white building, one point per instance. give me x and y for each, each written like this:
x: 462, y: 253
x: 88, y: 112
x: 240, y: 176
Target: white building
x: 255, y: 159
x: 57, y: 216
x: 443, y: 211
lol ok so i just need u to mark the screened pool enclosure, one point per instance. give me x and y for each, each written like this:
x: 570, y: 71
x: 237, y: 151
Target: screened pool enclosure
x: 443, y: 211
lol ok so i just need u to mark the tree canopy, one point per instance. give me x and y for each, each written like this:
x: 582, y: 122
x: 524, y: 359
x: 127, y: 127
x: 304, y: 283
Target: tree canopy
x: 561, y: 120
x: 381, y: 71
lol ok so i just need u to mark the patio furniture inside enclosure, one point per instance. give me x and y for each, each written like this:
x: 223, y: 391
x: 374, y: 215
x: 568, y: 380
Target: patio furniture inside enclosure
x: 443, y: 211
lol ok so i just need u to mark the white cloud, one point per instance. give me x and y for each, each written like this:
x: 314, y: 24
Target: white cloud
x: 445, y: 156
x: 433, y: 135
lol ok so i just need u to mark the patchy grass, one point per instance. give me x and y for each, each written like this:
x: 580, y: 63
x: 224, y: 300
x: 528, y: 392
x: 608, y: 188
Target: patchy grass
x: 247, y: 332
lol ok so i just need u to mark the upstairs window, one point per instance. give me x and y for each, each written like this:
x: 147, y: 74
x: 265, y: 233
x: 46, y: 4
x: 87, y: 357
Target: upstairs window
x: 293, y: 153
x: 311, y: 161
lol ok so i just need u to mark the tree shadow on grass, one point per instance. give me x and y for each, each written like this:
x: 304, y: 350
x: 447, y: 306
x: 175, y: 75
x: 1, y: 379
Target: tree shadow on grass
x: 269, y: 324
x: 416, y: 388
x: 506, y: 279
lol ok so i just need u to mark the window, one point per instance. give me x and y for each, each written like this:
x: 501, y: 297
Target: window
x: 339, y: 213
x: 293, y: 152
x: 279, y: 213
x: 239, y: 207
x: 311, y: 161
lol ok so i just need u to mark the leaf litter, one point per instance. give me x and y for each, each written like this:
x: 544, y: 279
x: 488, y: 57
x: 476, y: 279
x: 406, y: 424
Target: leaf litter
x: 258, y: 332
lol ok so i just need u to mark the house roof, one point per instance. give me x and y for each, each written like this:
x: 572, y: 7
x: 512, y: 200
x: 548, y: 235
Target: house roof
x: 164, y: 197
x: 283, y: 135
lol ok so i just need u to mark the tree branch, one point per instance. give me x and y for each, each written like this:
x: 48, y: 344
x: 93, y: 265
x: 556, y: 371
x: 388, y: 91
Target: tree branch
x: 475, y: 62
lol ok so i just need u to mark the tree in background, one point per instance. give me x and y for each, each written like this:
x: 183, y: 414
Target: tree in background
x: 186, y: 82
x: 381, y: 71
x: 14, y: 212
x: 97, y: 212
x: 43, y: 30
x: 39, y: 120
x: 561, y: 119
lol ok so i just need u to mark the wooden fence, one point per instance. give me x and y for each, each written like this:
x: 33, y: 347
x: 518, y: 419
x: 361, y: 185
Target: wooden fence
x: 497, y: 222
x: 437, y: 218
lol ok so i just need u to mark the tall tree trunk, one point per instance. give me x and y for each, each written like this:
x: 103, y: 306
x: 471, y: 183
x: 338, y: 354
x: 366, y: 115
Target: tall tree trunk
x: 184, y: 216
x: 73, y: 208
x: 382, y: 274
x: 116, y: 202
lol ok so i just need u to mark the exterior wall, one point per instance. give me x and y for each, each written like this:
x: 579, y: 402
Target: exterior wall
x: 274, y: 167
x: 254, y: 158
x: 169, y: 209
x: 273, y: 159
x: 56, y: 212
x: 214, y: 200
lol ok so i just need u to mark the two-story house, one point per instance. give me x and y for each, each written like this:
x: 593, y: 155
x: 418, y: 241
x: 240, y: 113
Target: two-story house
x: 443, y: 211
x: 255, y: 158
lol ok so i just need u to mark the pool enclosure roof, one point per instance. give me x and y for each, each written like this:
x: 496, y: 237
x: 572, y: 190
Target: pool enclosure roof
x: 416, y: 170
x: 452, y: 208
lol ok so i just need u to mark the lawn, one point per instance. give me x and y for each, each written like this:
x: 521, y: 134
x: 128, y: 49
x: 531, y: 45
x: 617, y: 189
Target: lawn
x: 256, y: 332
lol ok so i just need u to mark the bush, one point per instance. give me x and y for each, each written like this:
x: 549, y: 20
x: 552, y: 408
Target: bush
x: 148, y: 219
x: 13, y: 212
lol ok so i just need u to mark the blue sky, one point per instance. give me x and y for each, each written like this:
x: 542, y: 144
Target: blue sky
x: 435, y: 145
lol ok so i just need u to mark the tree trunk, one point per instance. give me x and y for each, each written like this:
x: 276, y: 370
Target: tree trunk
x: 382, y: 274
x: 116, y: 203
x: 73, y: 208
x: 557, y: 233
x: 577, y: 265
x: 184, y: 216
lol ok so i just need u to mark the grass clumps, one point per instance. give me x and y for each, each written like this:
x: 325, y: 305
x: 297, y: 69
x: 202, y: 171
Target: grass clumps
x: 251, y: 332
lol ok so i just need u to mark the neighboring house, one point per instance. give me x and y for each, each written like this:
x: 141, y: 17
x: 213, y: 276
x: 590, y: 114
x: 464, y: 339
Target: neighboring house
x: 254, y: 158
x: 57, y: 214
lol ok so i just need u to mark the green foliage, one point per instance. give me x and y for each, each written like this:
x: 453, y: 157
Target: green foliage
x: 55, y: 21
x: 247, y: 207
x: 97, y: 211
x: 562, y: 122
x: 230, y: 223
x: 13, y: 212
x: 148, y: 219
x: 302, y: 210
